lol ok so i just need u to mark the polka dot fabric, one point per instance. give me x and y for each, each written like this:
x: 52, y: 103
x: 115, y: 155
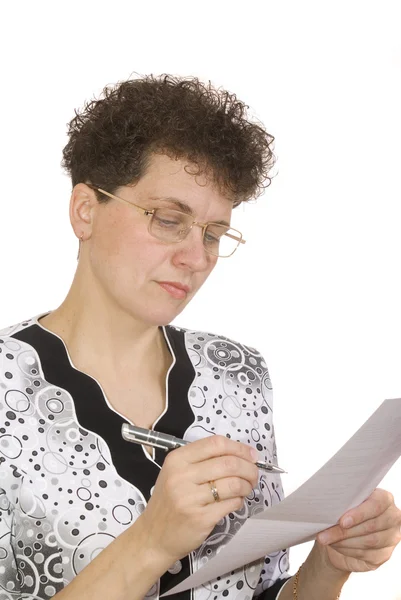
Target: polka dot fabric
x: 64, y: 494
x: 231, y: 395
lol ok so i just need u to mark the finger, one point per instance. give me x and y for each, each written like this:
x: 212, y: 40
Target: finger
x: 224, y: 466
x: 215, y: 445
x: 390, y: 519
x: 376, y: 504
x: 219, y: 510
x: 227, y: 489
x: 381, y: 539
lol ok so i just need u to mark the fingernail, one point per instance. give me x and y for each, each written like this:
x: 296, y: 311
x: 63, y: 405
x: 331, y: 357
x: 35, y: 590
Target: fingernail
x: 348, y: 522
x: 254, y: 454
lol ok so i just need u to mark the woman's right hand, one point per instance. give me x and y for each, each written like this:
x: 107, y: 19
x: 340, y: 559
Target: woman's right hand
x: 182, y: 510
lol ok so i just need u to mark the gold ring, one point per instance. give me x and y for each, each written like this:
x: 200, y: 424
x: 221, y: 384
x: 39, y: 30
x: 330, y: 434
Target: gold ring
x: 214, y: 491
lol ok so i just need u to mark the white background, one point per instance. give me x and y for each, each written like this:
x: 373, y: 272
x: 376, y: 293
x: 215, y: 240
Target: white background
x: 317, y: 286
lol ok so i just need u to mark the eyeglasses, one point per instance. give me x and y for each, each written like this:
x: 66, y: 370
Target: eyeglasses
x: 172, y: 226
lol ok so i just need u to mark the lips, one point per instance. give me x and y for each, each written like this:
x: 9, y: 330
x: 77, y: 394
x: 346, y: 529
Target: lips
x: 175, y: 289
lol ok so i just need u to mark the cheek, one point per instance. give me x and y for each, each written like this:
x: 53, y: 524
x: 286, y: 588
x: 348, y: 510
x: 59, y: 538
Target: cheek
x: 127, y: 255
x: 108, y: 233
x: 114, y: 246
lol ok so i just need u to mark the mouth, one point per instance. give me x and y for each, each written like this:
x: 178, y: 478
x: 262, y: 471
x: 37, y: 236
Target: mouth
x: 175, y: 289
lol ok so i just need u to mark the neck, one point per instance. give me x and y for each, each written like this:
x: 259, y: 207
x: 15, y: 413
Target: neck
x: 100, y: 336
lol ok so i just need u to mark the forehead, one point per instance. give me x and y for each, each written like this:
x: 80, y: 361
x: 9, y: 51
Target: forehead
x: 167, y: 177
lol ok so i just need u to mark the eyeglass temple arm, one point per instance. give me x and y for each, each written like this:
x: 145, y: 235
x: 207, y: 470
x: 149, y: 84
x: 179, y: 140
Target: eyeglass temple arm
x: 236, y: 238
x: 142, y: 210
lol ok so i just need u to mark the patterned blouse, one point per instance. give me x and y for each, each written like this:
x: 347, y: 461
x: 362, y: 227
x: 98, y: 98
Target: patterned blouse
x: 70, y: 484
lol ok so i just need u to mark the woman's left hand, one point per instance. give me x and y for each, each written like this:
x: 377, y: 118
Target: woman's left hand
x: 368, y: 539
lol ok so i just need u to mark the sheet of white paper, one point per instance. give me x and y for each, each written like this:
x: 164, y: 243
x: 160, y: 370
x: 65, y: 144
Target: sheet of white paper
x: 345, y: 481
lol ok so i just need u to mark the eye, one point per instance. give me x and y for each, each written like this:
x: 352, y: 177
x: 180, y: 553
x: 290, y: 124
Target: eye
x: 167, y: 221
x: 211, y: 239
x: 213, y: 234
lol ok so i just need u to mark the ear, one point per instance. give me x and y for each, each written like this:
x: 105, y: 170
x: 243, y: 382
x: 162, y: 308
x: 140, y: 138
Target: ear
x: 83, y: 204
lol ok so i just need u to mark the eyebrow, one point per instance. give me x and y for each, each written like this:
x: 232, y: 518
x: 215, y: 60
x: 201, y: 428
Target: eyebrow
x: 183, y: 207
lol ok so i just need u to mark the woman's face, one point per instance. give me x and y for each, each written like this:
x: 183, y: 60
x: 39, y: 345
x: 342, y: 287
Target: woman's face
x: 131, y: 266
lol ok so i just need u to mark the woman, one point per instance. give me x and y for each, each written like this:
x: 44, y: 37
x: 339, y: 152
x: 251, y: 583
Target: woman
x: 157, y: 166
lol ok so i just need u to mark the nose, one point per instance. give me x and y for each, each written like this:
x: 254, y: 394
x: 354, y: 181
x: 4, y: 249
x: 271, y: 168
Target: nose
x: 191, y: 253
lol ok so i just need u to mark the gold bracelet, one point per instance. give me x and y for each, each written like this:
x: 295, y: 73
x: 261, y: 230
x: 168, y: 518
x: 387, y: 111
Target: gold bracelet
x: 295, y: 586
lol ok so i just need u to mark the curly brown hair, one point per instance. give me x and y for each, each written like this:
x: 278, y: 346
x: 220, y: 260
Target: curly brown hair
x: 111, y: 139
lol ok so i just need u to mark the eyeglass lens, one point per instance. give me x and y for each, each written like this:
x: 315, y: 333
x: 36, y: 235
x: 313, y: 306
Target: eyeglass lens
x: 173, y: 226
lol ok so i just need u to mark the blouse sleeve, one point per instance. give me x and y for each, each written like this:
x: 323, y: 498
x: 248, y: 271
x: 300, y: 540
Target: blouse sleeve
x: 9, y: 584
x: 25, y: 554
x: 9, y: 484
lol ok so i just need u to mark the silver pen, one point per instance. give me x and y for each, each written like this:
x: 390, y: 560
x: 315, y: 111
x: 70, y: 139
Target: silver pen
x: 149, y: 437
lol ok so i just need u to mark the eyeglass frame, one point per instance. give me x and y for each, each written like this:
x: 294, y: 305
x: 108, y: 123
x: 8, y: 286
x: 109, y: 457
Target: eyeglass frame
x: 146, y: 212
